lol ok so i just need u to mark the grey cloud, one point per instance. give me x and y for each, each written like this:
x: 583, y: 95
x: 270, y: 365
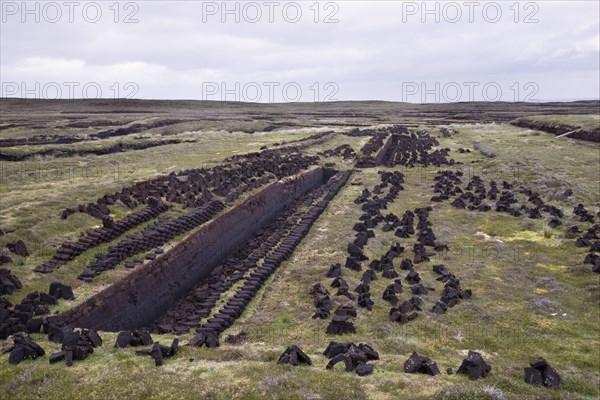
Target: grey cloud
x: 370, y: 53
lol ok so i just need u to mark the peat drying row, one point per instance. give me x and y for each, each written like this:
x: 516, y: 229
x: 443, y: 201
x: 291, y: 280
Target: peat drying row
x: 152, y: 237
x: 190, y: 189
x: 109, y: 231
x: 138, y: 144
x: 84, y: 136
x: 305, y: 142
x: 345, y: 151
x: 374, y: 151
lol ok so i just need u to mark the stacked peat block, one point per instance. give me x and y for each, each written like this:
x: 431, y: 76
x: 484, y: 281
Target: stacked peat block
x: 364, y: 296
x: 159, y: 352
x: 343, y: 288
x: 391, y: 291
x: 9, y: 283
x: 36, y: 303
x: 294, y: 356
x: 452, y: 293
x: 541, y: 373
x: 405, y: 227
x: 22, y: 317
x: 76, y: 345
x: 405, y: 312
x: 385, y: 264
x: 341, y: 323
x: 583, y: 214
x: 426, y: 237
x: 21, y: 347
x: 355, y: 357
x: 474, y: 366
x: 60, y: 291
x: 205, y: 337
x: 335, y: 270
x: 12, y: 320
x: 18, y: 248
x: 368, y: 276
x: 321, y: 301
x: 417, y: 364
x: 133, y: 338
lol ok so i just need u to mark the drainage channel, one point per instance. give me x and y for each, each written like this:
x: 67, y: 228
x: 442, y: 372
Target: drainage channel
x: 142, y: 297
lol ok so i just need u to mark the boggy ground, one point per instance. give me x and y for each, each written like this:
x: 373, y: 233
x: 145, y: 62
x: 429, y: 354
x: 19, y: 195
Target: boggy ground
x: 532, y: 295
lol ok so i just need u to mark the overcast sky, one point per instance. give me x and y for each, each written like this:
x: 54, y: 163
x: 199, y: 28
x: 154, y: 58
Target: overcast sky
x: 287, y: 51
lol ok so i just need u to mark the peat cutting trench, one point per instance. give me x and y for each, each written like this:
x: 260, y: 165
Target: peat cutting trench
x: 174, y: 292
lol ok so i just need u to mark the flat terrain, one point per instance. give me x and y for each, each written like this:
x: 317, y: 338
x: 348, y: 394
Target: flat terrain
x: 532, y: 294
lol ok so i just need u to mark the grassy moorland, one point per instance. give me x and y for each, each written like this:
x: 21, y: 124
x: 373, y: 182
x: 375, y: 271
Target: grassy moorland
x: 532, y: 296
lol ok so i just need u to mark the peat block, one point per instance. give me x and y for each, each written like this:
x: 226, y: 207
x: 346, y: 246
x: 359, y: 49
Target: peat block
x: 60, y: 291
x: 541, y: 373
x: 293, y: 355
x: 340, y: 325
x: 422, y: 365
x: 474, y: 366
x: 158, y: 352
x: 21, y: 347
x: 205, y: 337
x: 355, y: 357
